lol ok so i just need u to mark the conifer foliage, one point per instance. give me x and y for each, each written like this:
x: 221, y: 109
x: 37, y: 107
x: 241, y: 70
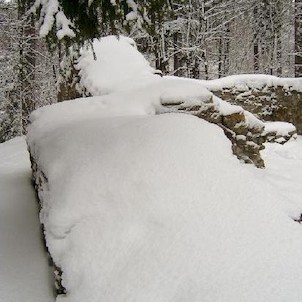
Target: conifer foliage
x: 82, y: 20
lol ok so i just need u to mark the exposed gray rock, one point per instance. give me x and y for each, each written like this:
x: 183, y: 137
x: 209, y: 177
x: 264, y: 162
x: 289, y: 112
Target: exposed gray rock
x: 40, y: 183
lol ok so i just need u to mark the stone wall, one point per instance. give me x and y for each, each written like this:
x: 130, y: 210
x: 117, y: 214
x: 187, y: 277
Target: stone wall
x: 269, y: 102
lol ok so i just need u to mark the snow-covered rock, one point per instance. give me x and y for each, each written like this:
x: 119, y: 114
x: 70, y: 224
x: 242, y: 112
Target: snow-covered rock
x: 280, y: 132
x: 156, y: 208
x: 113, y: 64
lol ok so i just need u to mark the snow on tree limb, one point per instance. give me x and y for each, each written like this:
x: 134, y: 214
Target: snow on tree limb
x: 89, y: 19
x: 64, y: 24
x: 51, y: 14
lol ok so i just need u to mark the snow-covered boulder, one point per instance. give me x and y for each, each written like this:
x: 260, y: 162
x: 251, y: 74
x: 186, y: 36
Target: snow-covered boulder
x: 140, y: 207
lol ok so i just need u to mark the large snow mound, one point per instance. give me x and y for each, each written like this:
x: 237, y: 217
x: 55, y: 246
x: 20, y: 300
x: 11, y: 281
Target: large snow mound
x: 111, y: 64
x: 156, y: 208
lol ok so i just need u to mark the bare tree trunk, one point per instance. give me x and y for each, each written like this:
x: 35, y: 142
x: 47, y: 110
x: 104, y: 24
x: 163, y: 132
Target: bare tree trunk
x: 226, y: 51
x: 298, y: 38
x: 27, y: 62
x: 256, y: 44
x: 279, y: 54
x: 206, y: 67
x: 176, y: 57
x: 220, y: 54
x: 195, y: 70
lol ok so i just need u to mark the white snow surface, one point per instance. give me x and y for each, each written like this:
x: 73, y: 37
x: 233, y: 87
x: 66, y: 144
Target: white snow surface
x: 225, y: 108
x: 146, y: 100
x: 156, y: 208
x: 51, y: 13
x: 281, y: 128
x: 253, y: 121
x: 283, y: 171
x: 118, y: 65
x: 245, y: 82
x: 24, y: 273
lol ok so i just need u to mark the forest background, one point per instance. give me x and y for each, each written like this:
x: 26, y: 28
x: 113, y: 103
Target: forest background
x: 201, y: 39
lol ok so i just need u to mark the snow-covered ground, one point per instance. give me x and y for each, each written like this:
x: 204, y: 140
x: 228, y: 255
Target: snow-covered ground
x: 284, y: 172
x: 24, y: 272
x: 24, y: 275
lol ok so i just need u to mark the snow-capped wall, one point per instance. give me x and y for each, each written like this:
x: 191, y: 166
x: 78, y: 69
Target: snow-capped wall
x: 256, y: 82
x: 114, y: 64
x: 268, y: 97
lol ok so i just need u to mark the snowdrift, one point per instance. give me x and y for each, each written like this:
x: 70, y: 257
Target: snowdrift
x: 156, y: 208
x: 113, y: 65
